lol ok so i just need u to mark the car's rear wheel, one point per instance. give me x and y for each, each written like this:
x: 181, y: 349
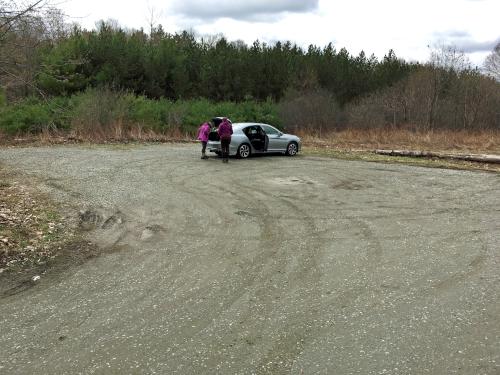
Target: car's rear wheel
x: 244, y: 151
x: 292, y: 149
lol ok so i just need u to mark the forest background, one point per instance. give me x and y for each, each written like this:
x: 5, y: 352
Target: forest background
x: 114, y: 83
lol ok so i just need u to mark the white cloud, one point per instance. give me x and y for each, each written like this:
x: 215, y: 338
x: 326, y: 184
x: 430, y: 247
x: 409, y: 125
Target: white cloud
x: 243, y: 10
x: 472, y: 46
x: 407, y: 26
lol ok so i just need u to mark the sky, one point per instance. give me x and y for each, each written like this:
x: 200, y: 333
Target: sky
x: 412, y: 28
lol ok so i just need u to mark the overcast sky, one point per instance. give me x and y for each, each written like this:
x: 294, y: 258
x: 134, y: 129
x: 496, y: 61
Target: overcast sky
x: 375, y: 26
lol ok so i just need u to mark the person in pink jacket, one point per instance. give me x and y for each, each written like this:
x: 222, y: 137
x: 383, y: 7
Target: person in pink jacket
x: 203, y: 132
x: 225, y: 131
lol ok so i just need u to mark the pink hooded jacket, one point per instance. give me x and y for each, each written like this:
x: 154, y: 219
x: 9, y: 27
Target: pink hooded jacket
x: 203, y: 132
x: 225, y: 129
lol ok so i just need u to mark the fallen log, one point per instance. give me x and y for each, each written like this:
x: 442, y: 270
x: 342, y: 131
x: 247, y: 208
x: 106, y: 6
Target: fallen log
x: 481, y: 158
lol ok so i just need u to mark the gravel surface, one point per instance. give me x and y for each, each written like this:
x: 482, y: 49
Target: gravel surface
x: 271, y: 265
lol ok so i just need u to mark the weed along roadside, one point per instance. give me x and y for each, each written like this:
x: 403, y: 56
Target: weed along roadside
x: 454, y: 162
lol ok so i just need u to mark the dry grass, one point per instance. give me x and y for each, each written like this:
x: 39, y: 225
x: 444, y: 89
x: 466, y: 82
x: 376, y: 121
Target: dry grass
x: 345, y: 140
x: 355, y: 144
x: 117, y: 133
x: 36, y: 236
x: 31, y: 229
x: 454, y: 141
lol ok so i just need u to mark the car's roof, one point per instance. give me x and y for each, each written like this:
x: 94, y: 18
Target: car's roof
x: 241, y: 125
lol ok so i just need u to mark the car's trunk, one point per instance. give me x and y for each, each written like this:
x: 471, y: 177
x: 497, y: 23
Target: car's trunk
x: 214, y: 136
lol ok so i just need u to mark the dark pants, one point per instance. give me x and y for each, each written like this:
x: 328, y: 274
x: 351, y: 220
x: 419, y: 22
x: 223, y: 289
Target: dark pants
x: 224, y: 145
x: 203, y: 147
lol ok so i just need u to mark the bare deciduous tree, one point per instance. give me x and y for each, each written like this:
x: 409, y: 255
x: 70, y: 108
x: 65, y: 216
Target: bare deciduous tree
x: 12, y: 11
x: 311, y: 109
x: 153, y: 16
x: 432, y: 98
x: 492, y: 63
x: 449, y: 57
x: 24, y: 26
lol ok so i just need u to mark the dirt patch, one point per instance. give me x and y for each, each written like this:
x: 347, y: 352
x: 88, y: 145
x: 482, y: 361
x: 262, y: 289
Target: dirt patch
x: 30, y: 226
x: 36, y: 239
x: 63, y: 260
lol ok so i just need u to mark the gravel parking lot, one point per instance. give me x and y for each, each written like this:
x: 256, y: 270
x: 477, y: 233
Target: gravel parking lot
x: 270, y: 265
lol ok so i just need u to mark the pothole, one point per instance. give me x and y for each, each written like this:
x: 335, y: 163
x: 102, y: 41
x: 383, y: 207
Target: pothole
x: 151, y: 231
x: 112, y: 221
x: 244, y: 213
x: 350, y: 185
x: 91, y: 219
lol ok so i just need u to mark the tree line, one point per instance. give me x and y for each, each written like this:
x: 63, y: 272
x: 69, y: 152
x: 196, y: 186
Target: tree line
x: 180, y: 66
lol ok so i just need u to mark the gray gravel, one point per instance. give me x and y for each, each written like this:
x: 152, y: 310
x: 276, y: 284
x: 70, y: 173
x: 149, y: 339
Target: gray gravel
x: 269, y: 265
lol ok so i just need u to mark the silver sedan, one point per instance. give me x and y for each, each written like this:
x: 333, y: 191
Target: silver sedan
x: 254, y: 138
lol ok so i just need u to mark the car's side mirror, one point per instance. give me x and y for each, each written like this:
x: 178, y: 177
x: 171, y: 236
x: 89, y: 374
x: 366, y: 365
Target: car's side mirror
x: 280, y: 134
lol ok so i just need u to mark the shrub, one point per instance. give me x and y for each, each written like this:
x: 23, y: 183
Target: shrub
x: 3, y: 98
x: 26, y: 117
x: 149, y: 113
x: 103, y: 113
x: 100, y: 113
x: 312, y: 110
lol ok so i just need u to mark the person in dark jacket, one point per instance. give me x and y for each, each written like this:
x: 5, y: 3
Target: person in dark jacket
x: 225, y: 131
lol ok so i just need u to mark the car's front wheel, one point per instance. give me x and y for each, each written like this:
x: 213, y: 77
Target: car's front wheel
x: 244, y: 151
x: 292, y: 149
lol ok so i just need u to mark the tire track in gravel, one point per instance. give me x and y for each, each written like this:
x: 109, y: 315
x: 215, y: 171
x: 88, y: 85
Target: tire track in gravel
x: 258, y: 269
x: 270, y: 267
x: 295, y: 330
